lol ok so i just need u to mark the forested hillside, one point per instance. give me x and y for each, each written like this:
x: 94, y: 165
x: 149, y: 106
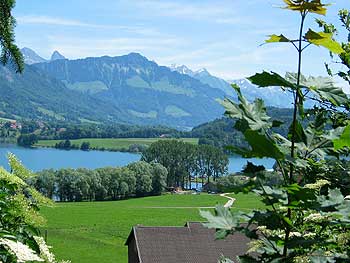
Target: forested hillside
x: 127, y: 89
x: 35, y: 95
x: 221, y: 132
x: 147, y: 92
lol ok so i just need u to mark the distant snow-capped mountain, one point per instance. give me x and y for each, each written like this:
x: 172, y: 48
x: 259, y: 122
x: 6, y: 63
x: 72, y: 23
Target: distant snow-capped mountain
x: 181, y: 69
x: 206, y: 78
x: 273, y: 96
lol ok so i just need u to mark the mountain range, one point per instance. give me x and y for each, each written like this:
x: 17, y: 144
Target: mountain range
x: 127, y: 89
x: 31, y: 57
x: 272, y: 96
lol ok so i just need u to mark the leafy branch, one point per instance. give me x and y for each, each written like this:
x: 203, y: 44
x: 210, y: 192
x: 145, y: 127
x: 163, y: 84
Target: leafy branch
x: 305, y: 212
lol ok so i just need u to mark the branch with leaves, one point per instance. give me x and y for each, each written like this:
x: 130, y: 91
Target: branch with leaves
x: 10, y: 53
x: 307, y: 216
x: 20, y: 239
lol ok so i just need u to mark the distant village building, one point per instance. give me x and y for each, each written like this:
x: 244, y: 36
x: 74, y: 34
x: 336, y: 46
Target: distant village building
x: 192, y: 243
x: 15, y: 125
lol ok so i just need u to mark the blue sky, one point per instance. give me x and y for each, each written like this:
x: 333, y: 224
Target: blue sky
x: 223, y: 36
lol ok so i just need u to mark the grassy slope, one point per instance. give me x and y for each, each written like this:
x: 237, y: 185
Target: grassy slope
x: 96, y: 232
x: 113, y: 144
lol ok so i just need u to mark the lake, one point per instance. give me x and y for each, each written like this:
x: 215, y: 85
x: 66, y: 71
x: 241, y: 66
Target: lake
x: 37, y: 159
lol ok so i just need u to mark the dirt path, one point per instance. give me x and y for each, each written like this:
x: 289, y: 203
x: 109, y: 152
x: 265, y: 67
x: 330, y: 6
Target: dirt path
x: 228, y: 204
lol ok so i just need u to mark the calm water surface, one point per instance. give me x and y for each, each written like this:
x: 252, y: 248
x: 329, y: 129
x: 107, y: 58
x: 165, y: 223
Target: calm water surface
x: 37, y: 159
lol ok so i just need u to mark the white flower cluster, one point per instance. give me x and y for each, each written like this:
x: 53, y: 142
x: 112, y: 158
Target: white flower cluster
x: 318, y: 185
x: 301, y: 259
x: 309, y: 235
x: 295, y: 234
x: 20, y: 250
x: 24, y: 253
x: 255, y: 245
x: 45, y: 250
x: 316, y: 217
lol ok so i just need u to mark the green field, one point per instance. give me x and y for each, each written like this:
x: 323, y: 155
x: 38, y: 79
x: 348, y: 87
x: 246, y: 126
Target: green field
x: 114, y: 144
x: 111, y: 144
x: 6, y: 120
x: 96, y: 232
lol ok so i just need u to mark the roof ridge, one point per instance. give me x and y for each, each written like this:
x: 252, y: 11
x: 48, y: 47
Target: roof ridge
x: 159, y: 226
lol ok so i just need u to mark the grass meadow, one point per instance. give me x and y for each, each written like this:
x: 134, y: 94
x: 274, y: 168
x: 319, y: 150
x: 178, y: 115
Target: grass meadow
x: 114, y: 144
x: 91, y: 232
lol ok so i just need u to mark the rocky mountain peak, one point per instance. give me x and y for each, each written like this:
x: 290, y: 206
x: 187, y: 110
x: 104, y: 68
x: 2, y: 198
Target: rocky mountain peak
x: 31, y: 57
x: 56, y: 56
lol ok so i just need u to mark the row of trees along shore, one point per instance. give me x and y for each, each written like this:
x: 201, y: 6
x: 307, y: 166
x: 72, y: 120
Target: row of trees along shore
x: 102, y: 184
x: 164, y: 165
x: 186, y: 162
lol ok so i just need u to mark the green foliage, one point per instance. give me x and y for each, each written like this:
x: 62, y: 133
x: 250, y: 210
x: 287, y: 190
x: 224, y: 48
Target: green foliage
x: 306, y: 218
x: 253, y: 122
x: 266, y: 79
x: 276, y: 38
x: 9, y: 51
x: 343, y: 140
x: 85, y: 146
x: 221, y: 132
x: 325, y: 40
x: 20, y: 218
x: 57, y: 130
x: 109, y: 183
x: 66, y: 144
x: 344, y: 57
x: 27, y: 140
x: 185, y: 161
x: 303, y: 6
x: 142, y: 171
x: 325, y: 90
x: 160, y: 174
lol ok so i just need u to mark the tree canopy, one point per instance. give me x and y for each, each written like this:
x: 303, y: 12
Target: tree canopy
x: 307, y: 216
x: 10, y: 53
x: 186, y: 162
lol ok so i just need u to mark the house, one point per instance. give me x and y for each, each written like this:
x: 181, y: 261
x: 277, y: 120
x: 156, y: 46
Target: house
x: 192, y: 243
x: 210, y: 187
x: 15, y: 125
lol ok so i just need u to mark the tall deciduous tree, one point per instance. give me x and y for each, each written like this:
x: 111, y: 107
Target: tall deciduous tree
x: 184, y: 160
x: 307, y: 218
x: 159, y: 175
x: 143, y: 174
x: 10, y: 53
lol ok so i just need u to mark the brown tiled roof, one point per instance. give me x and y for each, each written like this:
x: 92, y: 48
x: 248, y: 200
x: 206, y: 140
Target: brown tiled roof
x: 192, y: 243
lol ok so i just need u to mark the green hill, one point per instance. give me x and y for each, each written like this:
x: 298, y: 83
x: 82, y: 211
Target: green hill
x: 36, y: 95
x: 148, y: 93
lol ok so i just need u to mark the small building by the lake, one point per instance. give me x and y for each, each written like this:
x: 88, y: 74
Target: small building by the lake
x: 192, y: 243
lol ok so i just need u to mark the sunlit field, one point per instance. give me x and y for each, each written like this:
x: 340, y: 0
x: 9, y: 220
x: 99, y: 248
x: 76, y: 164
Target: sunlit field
x: 96, y: 232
